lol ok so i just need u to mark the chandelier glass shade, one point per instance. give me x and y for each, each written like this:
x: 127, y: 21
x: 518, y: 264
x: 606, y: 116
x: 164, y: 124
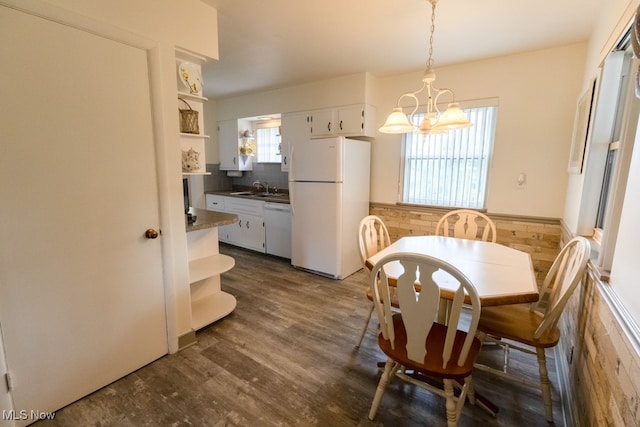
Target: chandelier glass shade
x: 434, y: 121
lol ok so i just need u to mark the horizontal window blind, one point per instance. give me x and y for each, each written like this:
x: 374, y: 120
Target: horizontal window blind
x: 450, y: 169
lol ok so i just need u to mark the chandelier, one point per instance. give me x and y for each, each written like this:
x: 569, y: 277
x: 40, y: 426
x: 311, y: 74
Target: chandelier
x: 434, y: 121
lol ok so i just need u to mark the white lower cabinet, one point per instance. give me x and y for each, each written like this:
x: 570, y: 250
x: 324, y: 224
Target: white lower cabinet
x: 248, y: 232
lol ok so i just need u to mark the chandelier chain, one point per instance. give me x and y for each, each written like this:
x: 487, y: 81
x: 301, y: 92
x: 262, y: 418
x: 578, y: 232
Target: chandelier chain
x: 432, y: 30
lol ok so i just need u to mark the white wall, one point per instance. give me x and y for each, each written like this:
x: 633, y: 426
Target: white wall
x: 537, y: 92
x: 189, y: 24
x: 345, y: 90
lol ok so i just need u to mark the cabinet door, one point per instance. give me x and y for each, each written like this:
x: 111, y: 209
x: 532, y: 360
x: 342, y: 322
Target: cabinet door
x: 351, y: 121
x: 223, y: 233
x: 228, y: 144
x: 234, y: 232
x: 323, y: 124
x: 253, y: 232
x: 295, y: 127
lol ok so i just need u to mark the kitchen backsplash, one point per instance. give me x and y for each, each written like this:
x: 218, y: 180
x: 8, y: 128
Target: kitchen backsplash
x: 266, y: 172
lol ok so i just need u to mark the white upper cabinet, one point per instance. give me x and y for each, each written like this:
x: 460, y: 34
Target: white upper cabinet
x: 228, y: 148
x: 357, y: 120
x: 294, y: 127
x: 323, y: 123
x: 353, y: 121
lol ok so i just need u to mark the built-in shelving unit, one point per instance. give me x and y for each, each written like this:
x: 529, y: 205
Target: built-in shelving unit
x: 208, y: 301
x: 192, y: 141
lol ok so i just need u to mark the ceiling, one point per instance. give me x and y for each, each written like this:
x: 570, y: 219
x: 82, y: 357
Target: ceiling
x: 276, y: 43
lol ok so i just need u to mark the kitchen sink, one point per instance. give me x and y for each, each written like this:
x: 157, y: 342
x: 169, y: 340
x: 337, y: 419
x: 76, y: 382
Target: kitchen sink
x: 269, y: 195
x: 252, y: 194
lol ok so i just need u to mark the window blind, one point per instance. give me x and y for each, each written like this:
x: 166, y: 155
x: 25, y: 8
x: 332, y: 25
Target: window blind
x: 450, y: 169
x: 268, y: 141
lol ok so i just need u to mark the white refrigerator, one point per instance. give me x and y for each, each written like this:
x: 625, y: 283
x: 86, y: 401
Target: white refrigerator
x: 329, y: 192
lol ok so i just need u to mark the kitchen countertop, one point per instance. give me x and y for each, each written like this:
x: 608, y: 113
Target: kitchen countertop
x: 209, y: 219
x: 279, y: 198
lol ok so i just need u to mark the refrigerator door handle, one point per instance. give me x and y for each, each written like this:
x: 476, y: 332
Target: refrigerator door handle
x: 291, y: 174
x: 292, y: 197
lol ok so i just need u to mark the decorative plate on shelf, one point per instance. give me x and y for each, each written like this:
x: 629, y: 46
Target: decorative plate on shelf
x: 191, y: 76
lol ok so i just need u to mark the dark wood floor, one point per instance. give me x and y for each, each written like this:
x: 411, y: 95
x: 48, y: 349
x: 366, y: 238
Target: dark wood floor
x: 286, y: 357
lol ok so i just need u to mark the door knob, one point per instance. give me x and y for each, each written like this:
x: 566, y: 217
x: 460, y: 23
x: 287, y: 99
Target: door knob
x: 151, y: 233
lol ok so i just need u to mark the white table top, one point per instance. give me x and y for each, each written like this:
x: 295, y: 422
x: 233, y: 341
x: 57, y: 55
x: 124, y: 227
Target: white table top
x: 501, y: 275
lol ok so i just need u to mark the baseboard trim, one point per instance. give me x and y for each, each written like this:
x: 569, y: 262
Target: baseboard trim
x: 187, y: 340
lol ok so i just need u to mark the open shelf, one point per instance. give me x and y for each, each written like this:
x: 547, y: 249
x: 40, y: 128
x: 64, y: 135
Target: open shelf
x: 210, y: 308
x: 209, y: 266
x: 194, y: 135
x: 192, y: 96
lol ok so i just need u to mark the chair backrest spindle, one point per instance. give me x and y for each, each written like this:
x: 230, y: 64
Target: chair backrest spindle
x: 373, y: 236
x: 465, y: 224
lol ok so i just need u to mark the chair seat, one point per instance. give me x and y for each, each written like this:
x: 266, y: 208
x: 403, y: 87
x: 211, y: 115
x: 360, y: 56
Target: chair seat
x: 434, y: 344
x: 516, y: 322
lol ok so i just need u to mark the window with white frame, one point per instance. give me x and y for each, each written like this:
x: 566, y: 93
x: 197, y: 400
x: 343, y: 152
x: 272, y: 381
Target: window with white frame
x: 450, y: 169
x: 268, y: 144
x: 615, y: 128
x: 607, y: 176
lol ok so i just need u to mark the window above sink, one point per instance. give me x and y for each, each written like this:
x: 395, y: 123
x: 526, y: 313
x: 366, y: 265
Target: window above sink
x: 264, y: 135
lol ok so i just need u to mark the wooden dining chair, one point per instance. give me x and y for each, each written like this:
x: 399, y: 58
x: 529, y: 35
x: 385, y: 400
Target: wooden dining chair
x: 373, y: 236
x: 416, y: 345
x: 467, y: 224
x: 535, y: 325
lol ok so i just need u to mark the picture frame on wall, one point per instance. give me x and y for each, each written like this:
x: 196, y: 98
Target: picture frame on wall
x: 581, y: 129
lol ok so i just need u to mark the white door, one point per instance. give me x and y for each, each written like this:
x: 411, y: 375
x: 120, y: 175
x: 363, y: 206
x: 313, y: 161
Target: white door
x: 81, y: 288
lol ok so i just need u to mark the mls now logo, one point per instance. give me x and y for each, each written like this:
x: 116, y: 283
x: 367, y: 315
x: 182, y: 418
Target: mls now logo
x: 31, y: 415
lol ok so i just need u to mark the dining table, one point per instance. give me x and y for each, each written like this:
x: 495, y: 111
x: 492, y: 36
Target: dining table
x: 500, y: 274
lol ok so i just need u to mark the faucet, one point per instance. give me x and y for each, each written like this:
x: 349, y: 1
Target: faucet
x: 258, y: 184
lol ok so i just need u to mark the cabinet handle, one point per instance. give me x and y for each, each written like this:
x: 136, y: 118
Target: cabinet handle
x: 234, y: 160
x: 329, y: 126
x: 340, y: 124
x: 247, y: 225
x: 240, y: 223
x: 285, y: 160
